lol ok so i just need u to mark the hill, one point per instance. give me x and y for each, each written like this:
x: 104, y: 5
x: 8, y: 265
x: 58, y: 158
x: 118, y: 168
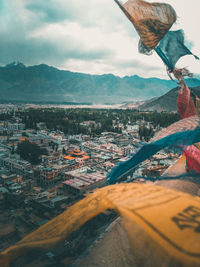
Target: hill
x: 167, y: 102
x: 47, y: 84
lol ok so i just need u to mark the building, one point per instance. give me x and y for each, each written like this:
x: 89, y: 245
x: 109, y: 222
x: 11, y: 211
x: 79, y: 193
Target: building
x: 13, y: 127
x: 78, y: 183
x: 58, y: 201
x: 14, y: 178
x: 133, y: 129
x: 45, y: 175
x: 16, y: 198
x: 77, y: 156
x: 20, y: 167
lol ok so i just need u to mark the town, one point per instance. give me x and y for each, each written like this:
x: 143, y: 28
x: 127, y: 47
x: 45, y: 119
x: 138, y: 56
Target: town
x: 51, y: 157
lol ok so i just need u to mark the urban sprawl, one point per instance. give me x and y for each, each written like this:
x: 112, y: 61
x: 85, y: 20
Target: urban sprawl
x: 51, y: 157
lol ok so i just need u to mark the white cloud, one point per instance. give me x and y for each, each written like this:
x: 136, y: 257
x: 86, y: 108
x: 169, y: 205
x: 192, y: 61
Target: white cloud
x: 92, y: 36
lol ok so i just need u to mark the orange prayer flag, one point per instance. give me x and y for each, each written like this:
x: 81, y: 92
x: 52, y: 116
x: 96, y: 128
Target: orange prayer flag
x: 151, y: 20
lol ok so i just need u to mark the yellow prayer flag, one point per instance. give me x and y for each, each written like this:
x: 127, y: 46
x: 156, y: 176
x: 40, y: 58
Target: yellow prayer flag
x: 168, y: 218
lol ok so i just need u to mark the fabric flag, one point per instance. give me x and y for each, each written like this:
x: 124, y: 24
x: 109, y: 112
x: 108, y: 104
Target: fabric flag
x: 196, y: 102
x: 161, y: 220
x: 172, y: 47
x: 178, y: 139
x: 188, y: 108
x: 182, y: 125
x: 151, y: 20
x: 185, y: 104
x: 192, y: 154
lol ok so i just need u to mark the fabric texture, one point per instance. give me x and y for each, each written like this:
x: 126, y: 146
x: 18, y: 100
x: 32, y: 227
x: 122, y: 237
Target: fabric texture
x: 151, y: 20
x: 178, y: 139
x: 173, y: 47
x: 185, y: 104
x: 192, y: 154
x: 168, y: 220
x: 182, y: 125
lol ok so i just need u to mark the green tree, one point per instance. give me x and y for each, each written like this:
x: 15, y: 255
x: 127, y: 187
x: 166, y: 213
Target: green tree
x: 30, y: 152
x: 63, y: 151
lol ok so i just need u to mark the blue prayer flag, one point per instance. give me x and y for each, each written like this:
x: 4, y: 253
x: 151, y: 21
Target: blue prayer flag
x: 172, y: 47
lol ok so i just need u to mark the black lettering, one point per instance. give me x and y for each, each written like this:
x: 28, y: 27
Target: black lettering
x: 192, y: 211
x: 183, y: 221
x: 188, y: 219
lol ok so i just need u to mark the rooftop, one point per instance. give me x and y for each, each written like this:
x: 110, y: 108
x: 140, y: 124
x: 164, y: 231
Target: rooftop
x: 83, y: 180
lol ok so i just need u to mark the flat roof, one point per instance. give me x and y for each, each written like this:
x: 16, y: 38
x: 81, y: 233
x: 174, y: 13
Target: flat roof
x: 85, y: 180
x: 76, y: 183
x: 59, y: 198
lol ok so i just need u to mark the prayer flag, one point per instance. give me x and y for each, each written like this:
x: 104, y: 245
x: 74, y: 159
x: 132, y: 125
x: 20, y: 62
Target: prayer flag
x: 178, y: 139
x: 185, y: 104
x: 192, y: 154
x: 167, y: 221
x: 172, y: 48
x: 151, y: 20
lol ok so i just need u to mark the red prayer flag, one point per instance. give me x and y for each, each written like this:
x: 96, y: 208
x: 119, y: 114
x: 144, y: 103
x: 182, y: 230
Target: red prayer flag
x: 192, y: 154
x: 185, y: 104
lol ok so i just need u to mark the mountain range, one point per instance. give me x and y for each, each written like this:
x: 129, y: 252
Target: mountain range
x: 45, y: 84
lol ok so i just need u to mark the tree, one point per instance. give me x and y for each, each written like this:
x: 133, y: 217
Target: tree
x: 13, y: 149
x: 145, y: 132
x: 30, y: 152
x: 64, y: 151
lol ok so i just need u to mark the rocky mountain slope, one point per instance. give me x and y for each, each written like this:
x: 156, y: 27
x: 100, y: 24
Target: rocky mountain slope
x: 167, y: 102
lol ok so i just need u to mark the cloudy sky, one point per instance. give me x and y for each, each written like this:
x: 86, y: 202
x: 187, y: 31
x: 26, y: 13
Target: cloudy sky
x: 90, y: 36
